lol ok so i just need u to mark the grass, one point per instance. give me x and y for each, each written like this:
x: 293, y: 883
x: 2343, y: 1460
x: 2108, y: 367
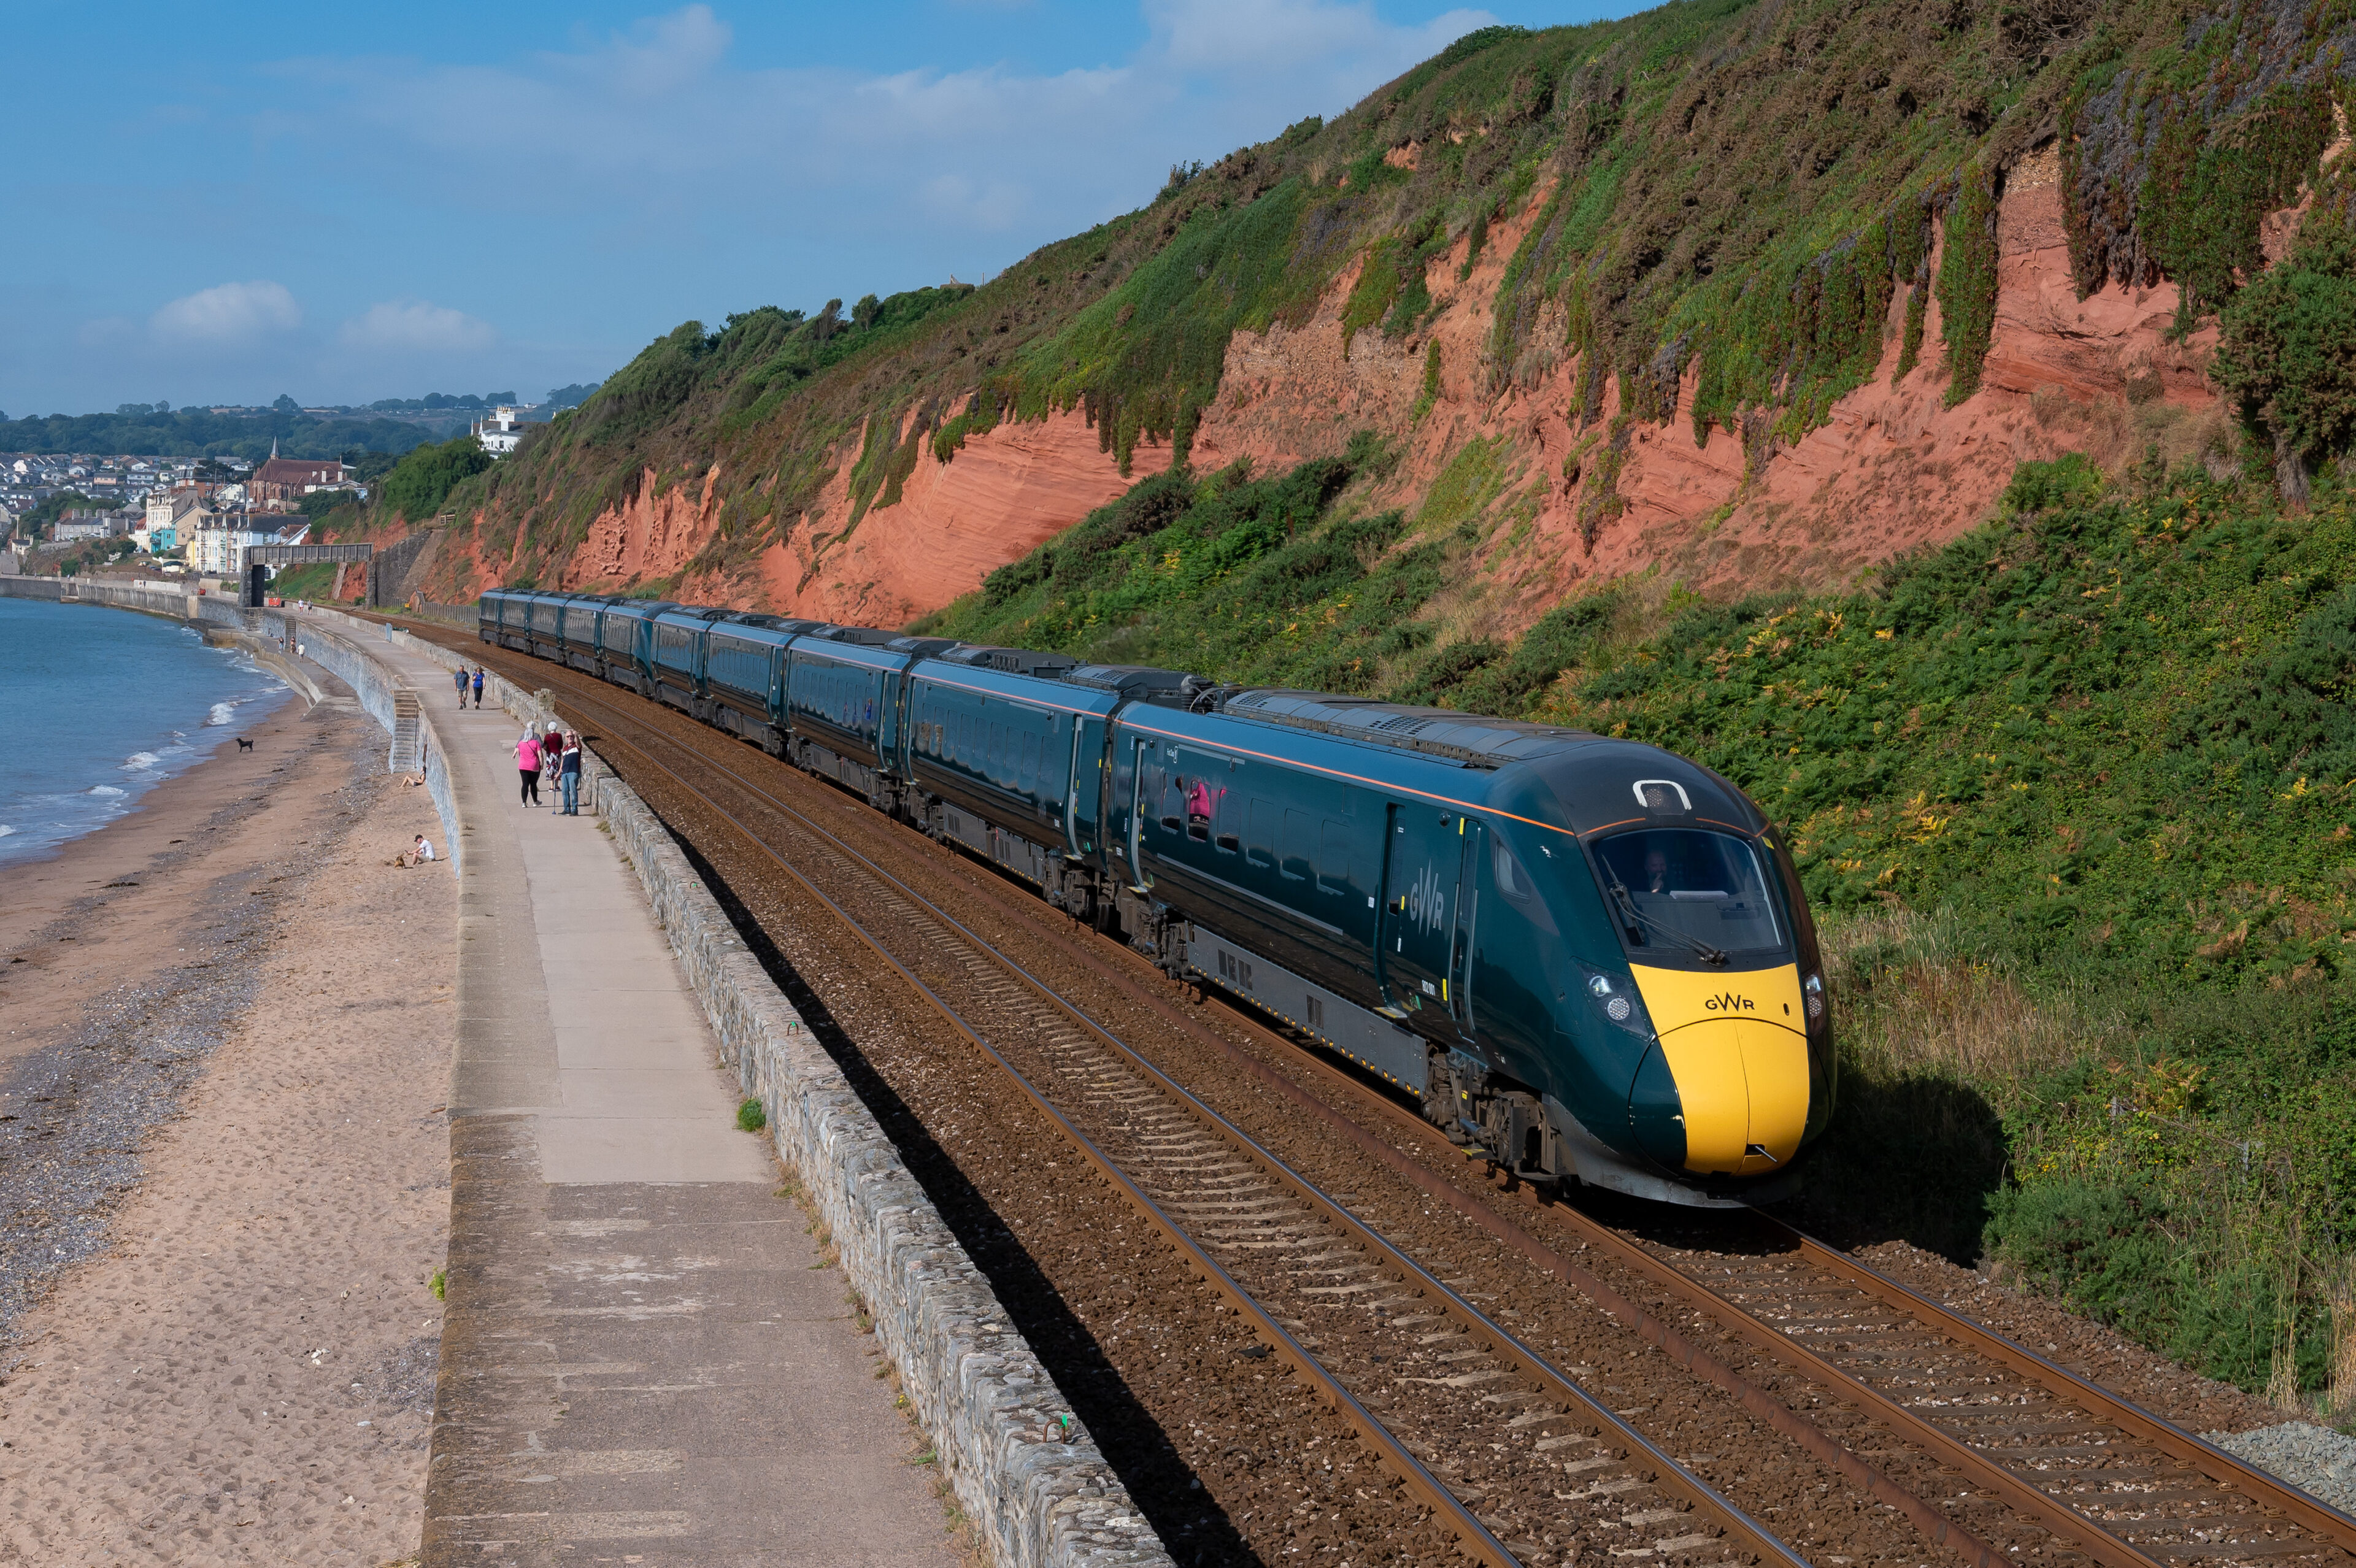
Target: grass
x: 751, y: 1117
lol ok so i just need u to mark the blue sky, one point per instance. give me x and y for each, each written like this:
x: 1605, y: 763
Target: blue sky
x: 219, y: 204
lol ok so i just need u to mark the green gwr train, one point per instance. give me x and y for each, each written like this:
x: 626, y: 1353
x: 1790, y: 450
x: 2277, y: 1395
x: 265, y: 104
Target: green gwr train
x: 1590, y: 956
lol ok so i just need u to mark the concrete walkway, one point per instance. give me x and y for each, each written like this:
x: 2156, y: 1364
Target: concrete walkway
x: 644, y: 1359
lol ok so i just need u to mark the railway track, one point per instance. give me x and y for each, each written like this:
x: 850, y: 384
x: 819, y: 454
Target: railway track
x: 1978, y: 1444
x: 1354, y: 1315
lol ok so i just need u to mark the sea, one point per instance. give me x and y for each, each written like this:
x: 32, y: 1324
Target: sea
x: 100, y: 706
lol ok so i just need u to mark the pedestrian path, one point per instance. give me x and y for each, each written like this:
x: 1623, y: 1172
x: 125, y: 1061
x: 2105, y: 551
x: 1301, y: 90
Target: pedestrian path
x: 644, y: 1359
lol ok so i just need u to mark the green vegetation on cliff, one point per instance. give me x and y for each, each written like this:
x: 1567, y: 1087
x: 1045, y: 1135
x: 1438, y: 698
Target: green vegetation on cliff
x: 1733, y: 192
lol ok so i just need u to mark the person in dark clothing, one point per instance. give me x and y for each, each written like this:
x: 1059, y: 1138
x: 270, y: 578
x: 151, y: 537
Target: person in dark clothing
x: 478, y: 686
x: 570, y: 778
x: 461, y: 674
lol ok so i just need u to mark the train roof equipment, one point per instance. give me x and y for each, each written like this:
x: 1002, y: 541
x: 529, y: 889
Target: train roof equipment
x: 1464, y: 738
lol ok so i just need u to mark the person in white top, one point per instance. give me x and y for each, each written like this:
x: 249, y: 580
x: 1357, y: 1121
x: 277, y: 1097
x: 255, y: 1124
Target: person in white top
x: 423, y: 849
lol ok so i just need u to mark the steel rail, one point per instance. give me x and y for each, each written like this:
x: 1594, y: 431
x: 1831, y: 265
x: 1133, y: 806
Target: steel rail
x: 2312, y: 1514
x: 1474, y: 1536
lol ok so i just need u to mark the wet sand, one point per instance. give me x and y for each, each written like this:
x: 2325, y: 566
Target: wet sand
x: 223, y: 1166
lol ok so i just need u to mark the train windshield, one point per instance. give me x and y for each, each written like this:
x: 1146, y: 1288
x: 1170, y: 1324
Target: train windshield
x: 1686, y: 891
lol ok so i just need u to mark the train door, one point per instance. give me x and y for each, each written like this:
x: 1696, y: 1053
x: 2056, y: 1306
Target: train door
x: 1463, y: 936
x: 1138, y: 880
x: 1422, y: 860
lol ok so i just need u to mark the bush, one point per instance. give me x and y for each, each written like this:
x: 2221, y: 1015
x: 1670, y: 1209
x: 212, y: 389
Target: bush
x: 420, y: 481
x: 751, y: 1117
x: 2286, y: 346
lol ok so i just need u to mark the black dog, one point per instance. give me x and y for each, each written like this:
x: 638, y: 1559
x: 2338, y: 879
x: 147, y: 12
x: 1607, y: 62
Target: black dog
x: 243, y: 744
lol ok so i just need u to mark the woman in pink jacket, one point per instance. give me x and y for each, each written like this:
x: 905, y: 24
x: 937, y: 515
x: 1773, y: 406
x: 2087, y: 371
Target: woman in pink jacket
x: 528, y: 764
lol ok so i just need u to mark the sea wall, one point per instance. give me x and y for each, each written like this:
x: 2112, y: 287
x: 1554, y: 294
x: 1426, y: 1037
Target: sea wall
x: 378, y: 690
x: 1033, y: 1482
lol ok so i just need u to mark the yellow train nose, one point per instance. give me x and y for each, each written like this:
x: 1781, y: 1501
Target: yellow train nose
x: 1736, y: 1049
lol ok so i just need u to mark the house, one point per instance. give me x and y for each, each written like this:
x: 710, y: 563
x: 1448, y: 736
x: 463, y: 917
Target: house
x: 216, y: 537
x: 502, y: 430
x: 80, y: 523
x: 292, y: 478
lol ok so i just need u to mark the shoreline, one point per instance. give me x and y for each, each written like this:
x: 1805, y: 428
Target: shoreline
x: 205, y: 743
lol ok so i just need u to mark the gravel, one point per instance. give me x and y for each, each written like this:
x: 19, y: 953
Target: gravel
x: 2315, y: 1459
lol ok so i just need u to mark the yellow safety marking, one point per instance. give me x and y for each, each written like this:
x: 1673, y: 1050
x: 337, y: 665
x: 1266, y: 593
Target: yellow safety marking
x: 1737, y: 1049
x: 1676, y: 998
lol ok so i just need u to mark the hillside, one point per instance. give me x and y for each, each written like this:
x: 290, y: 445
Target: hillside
x: 1753, y: 292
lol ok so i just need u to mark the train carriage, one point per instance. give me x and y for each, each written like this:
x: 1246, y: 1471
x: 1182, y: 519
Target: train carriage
x: 491, y: 614
x: 544, y: 625
x: 676, y: 642
x: 625, y: 643
x: 1010, y: 754
x: 744, y: 675
x: 842, y: 692
x: 577, y: 639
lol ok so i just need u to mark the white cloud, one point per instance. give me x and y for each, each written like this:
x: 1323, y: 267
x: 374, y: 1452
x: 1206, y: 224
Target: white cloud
x: 1261, y: 37
x: 227, y: 315
x: 416, y: 326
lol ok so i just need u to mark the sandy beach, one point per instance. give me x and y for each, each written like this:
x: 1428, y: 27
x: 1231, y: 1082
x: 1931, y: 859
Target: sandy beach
x: 223, y: 1166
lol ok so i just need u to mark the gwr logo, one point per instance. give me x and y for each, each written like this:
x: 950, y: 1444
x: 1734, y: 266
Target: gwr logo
x: 1728, y: 1002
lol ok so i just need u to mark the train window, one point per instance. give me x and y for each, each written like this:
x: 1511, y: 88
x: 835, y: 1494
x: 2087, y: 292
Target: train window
x: 1298, y: 847
x: 1200, y: 801
x: 1260, y: 832
x: 1333, y: 857
x: 1688, y: 887
x: 1028, y: 780
x: 1225, y: 820
x: 1513, y: 881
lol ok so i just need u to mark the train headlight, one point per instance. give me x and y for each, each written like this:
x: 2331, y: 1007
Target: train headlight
x: 1617, y: 1001
x: 1812, y: 991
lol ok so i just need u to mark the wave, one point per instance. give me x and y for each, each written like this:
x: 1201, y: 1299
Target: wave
x: 140, y: 762
x: 221, y: 714
x: 6, y: 830
x: 104, y: 789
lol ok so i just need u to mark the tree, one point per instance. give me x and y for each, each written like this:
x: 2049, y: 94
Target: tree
x: 284, y: 405
x: 827, y: 321
x: 2287, y: 351
x: 419, y: 483
x: 864, y: 313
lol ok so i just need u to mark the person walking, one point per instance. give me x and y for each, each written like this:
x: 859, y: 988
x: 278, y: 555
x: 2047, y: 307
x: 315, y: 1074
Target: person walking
x: 528, y: 766
x: 478, y: 689
x: 461, y: 675
x: 571, y: 777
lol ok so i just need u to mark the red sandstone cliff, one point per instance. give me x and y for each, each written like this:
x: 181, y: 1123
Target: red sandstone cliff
x: 1893, y: 467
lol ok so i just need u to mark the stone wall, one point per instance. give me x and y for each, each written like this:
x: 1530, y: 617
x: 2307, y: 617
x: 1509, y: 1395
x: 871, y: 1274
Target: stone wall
x: 1033, y: 1482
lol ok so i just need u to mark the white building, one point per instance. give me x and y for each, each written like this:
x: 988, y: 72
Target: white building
x: 503, y: 430
x: 216, y: 541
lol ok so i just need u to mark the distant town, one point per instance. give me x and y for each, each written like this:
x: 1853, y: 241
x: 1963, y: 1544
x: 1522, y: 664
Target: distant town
x: 66, y: 512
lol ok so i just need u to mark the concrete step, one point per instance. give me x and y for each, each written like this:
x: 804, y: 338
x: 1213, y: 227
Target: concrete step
x: 405, y: 733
